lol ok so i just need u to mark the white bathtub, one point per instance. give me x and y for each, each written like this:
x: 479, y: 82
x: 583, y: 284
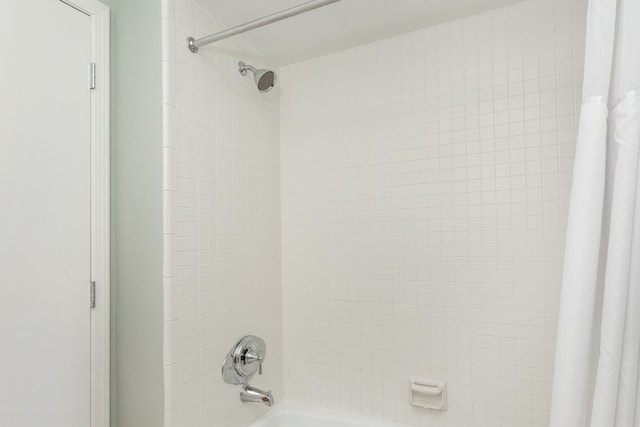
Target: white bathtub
x: 289, y: 414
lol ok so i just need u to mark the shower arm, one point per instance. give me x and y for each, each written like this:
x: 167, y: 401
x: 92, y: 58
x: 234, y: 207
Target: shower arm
x: 244, y: 67
x: 193, y: 44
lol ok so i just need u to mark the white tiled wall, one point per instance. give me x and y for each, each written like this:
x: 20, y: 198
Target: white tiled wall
x: 222, y: 221
x: 425, y: 181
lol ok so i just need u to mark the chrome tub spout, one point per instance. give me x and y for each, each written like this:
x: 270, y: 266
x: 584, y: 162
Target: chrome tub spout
x: 252, y: 394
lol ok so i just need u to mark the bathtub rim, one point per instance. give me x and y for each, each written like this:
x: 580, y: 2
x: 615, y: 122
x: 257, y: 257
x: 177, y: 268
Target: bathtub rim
x: 287, y: 406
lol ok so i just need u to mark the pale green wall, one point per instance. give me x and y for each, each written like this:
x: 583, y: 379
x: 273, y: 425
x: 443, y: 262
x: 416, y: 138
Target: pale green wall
x: 136, y: 208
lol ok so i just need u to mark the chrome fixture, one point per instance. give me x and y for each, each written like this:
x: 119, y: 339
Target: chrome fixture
x: 194, y: 44
x: 241, y: 364
x: 252, y: 394
x: 244, y: 360
x: 265, y: 79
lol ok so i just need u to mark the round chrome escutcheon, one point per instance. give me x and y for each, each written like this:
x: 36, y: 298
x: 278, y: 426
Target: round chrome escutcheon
x: 244, y: 360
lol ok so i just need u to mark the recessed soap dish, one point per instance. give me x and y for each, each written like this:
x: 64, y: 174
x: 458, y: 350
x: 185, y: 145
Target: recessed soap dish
x: 429, y: 394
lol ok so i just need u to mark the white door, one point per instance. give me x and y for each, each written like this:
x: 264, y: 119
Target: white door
x: 44, y: 214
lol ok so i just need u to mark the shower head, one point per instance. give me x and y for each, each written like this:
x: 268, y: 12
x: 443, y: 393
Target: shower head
x: 265, y: 79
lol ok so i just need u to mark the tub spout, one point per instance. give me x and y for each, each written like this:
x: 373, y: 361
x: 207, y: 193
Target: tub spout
x: 252, y: 394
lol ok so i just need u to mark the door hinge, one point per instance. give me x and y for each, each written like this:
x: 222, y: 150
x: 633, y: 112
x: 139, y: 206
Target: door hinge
x: 92, y: 295
x: 92, y: 75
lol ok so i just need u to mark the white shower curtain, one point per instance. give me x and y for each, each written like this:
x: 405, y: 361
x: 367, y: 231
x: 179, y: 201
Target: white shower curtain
x: 598, y: 347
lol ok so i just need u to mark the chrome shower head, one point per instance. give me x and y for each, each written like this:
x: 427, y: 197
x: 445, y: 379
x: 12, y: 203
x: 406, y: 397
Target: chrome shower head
x: 265, y: 79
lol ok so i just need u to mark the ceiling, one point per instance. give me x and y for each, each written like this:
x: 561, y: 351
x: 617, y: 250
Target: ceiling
x: 339, y: 25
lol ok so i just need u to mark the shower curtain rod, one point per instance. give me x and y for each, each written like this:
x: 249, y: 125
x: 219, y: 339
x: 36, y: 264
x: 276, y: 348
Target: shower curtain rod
x: 194, y: 44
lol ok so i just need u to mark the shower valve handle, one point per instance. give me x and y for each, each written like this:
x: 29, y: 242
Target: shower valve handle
x: 251, y: 357
x: 244, y: 360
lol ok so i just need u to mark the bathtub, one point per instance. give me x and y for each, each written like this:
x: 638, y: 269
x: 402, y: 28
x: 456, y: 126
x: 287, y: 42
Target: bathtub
x: 289, y: 414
